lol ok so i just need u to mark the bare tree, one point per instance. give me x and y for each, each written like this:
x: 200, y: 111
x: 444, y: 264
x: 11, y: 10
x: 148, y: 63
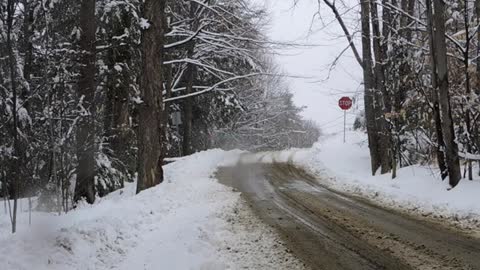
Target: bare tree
x: 368, y: 81
x: 440, y: 55
x: 382, y: 103
x: 440, y: 146
x: 348, y: 35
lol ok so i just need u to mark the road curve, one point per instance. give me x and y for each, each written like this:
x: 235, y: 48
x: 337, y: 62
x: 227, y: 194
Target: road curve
x: 331, y: 231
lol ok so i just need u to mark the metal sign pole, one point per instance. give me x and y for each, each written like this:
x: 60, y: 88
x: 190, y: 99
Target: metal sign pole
x: 344, y: 126
x: 345, y: 103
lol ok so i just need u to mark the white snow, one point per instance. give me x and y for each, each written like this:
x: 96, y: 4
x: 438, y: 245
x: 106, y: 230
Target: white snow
x: 118, y: 68
x: 188, y: 222
x: 192, y: 222
x: 469, y: 156
x: 144, y: 24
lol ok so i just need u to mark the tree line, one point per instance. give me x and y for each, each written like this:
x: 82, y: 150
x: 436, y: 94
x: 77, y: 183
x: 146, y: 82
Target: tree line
x: 94, y: 94
x: 421, y: 70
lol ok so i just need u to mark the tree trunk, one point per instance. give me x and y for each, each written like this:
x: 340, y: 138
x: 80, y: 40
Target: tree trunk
x: 477, y: 9
x: 468, y: 89
x: 382, y: 99
x: 387, y: 17
x: 28, y: 25
x: 166, y: 144
x: 440, y: 51
x: 15, y: 185
x: 168, y: 73
x: 408, y: 7
x: 85, y: 184
x: 188, y: 102
x: 166, y: 109
x: 369, y: 85
x: 150, y: 171
x: 477, y: 88
x: 440, y: 147
x: 411, y: 11
x: 188, y: 113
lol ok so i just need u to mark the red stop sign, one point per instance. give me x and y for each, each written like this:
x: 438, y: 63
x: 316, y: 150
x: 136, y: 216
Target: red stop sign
x: 345, y: 103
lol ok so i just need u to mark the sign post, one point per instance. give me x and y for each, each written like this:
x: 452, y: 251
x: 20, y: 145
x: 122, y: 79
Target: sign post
x: 345, y: 103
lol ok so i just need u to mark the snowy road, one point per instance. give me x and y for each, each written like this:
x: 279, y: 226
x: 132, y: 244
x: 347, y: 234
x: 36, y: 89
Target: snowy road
x: 328, y: 230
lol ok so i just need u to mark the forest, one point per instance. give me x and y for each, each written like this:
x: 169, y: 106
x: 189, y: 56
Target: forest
x: 94, y: 94
x: 421, y: 77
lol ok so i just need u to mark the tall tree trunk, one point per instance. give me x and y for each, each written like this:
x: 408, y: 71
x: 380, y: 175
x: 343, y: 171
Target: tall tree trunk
x: 440, y: 147
x: 382, y: 104
x: 411, y: 12
x: 369, y: 87
x: 468, y: 89
x: 166, y: 109
x: 387, y: 18
x: 15, y: 185
x: 440, y: 54
x: 28, y: 25
x: 477, y: 88
x: 477, y: 9
x: 188, y: 102
x: 168, y: 73
x: 188, y: 113
x: 85, y: 184
x: 406, y: 6
x: 151, y: 87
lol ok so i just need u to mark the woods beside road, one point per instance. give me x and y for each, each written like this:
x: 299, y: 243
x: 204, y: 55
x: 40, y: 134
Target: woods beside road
x: 97, y: 96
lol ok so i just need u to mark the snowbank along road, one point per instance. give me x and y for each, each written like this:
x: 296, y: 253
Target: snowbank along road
x: 329, y: 230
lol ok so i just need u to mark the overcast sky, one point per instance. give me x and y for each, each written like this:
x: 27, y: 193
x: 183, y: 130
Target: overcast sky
x: 320, y: 95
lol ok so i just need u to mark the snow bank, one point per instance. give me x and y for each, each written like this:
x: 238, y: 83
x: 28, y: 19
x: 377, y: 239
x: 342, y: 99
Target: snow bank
x: 188, y: 222
x: 418, y: 189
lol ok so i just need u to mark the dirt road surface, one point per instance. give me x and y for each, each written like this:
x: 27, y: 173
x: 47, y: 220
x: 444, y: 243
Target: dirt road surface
x: 331, y: 231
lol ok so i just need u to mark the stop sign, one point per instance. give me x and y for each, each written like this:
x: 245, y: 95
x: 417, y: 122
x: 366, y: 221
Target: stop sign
x: 345, y: 103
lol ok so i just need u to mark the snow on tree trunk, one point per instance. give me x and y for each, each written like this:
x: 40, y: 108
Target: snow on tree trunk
x: 440, y: 54
x: 368, y: 80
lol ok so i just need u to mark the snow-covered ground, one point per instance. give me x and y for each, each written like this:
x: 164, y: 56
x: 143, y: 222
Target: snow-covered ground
x: 417, y: 189
x: 188, y: 222
x: 193, y: 222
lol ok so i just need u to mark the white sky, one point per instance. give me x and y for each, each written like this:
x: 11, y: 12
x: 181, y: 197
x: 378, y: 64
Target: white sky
x: 289, y: 23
